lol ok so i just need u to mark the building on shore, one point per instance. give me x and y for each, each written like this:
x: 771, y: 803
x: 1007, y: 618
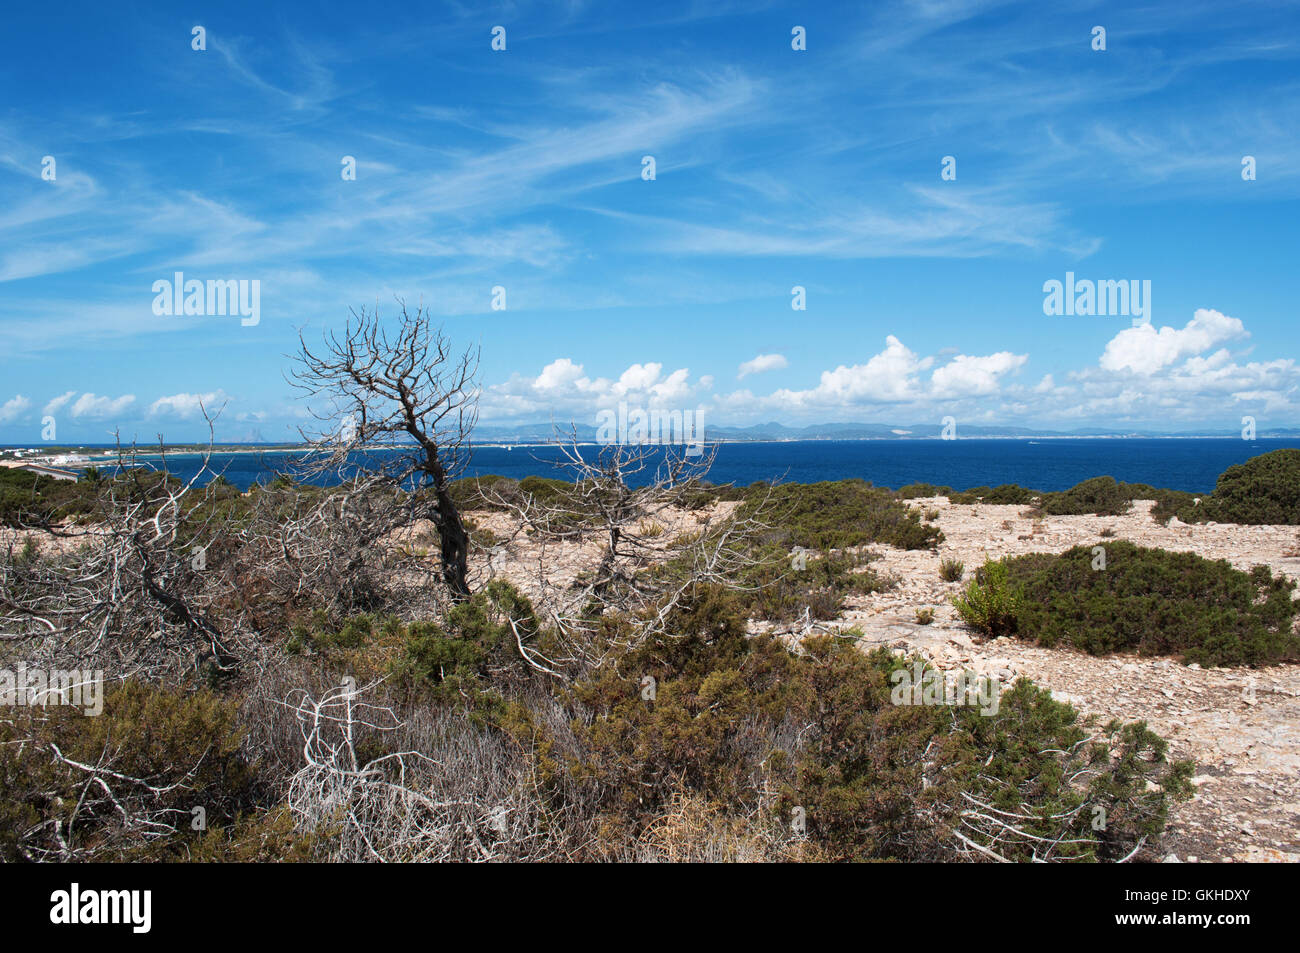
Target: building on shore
x: 53, y: 472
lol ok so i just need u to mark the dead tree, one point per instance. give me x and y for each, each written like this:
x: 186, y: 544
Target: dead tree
x: 399, y: 407
x: 627, y: 498
x: 137, y: 585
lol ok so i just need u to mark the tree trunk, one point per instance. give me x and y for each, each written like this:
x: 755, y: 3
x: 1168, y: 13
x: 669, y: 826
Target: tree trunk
x: 455, y: 545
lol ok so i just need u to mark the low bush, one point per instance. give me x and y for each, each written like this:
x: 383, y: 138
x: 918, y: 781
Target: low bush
x: 740, y: 721
x: 1149, y: 601
x: 840, y: 514
x: 1100, y: 496
x: 1263, y: 490
x: 1005, y: 494
x: 916, y: 490
x: 772, y: 589
x: 951, y: 570
x: 31, y: 498
x: 991, y: 602
x: 158, y: 752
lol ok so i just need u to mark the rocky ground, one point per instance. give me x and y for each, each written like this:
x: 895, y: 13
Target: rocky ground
x: 1241, y: 726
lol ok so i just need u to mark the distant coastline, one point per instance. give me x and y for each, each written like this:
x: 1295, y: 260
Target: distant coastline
x: 101, y: 453
x: 1042, y: 463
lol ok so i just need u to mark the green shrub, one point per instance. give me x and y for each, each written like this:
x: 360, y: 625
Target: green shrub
x: 1263, y: 490
x: 734, y: 717
x: 915, y: 490
x: 1100, y: 496
x: 840, y: 514
x: 27, y: 497
x: 773, y: 590
x: 1005, y: 494
x: 548, y: 491
x: 474, y: 641
x: 1155, y: 602
x: 487, y: 492
x: 951, y: 570
x: 991, y: 601
x: 160, y: 751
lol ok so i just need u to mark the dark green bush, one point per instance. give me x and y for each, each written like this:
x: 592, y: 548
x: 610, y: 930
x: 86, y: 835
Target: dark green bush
x: 160, y: 751
x: 1005, y: 494
x: 487, y: 492
x: 874, y: 779
x: 992, y: 601
x: 1263, y: 490
x: 837, y: 515
x: 1153, y: 602
x: 1100, y: 496
x: 474, y: 643
x: 31, y: 498
x: 914, y: 490
x: 773, y: 590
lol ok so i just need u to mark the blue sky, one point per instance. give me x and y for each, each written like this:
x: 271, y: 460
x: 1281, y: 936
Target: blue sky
x: 775, y: 168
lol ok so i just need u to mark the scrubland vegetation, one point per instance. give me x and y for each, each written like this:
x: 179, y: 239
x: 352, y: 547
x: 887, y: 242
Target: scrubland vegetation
x: 1123, y: 597
x: 294, y: 673
x: 372, y: 715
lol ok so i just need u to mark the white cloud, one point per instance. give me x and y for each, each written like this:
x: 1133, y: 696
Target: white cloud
x: 187, y: 406
x: 1144, y: 350
x: 640, y: 376
x: 888, y: 377
x: 558, y: 376
x: 968, y: 376
x: 97, y: 408
x: 55, y: 405
x: 763, y: 362
x: 14, y: 408
x: 563, y: 387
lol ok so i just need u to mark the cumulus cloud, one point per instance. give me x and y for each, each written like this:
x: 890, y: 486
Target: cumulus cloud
x: 14, y: 408
x: 564, y: 387
x: 56, y: 404
x: 1144, y: 350
x: 187, y: 406
x: 93, y: 407
x: 639, y: 377
x: 1178, y: 374
x: 1143, y: 376
x: 763, y: 362
x: 888, y: 377
x: 558, y: 376
x: 967, y: 376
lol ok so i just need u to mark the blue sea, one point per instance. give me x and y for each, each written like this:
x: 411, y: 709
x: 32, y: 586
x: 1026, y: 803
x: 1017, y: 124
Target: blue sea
x: 1191, y: 464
